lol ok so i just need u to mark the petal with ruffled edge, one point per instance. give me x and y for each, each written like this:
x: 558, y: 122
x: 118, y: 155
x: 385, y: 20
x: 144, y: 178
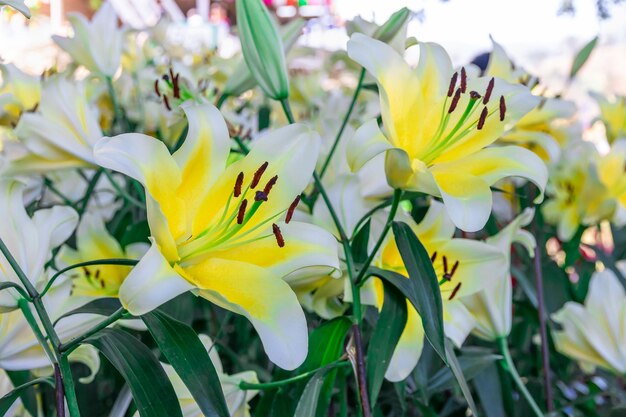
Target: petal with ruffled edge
x: 266, y: 300
x: 203, y: 155
x: 148, y: 161
x: 151, y: 283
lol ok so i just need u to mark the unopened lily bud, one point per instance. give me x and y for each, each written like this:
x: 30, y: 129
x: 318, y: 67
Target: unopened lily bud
x: 262, y: 48
x: 17, y: 5
x: 242, y: 80
x: 393, y: 25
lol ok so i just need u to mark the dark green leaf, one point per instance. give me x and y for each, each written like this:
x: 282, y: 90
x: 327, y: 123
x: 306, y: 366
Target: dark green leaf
x: 186, y: 353
x: 389, y: 327
x: 151, y: 388
x: 487, y: 385
x: 360, y: 242
x: 311, y: 394
x: 582, y: 57
x: 101, y: 306
x: 455, y: 366
x: 619, y: 411
x: 422, y: 287
x: 28, y: 395
x: 7, y: 401
x: 472, y: 363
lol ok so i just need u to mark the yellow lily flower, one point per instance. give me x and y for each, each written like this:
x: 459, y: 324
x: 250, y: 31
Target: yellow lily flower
x: 93, y: 241
x: 613, y: 115
x: 216, y: 229
x: 437, y: 129
x: 29, y: 239
x: 60, y: 134
x: 611, y: 172
x: 593, y: 333
x: 463, y: 267
x: 97, y: 45
x: 577, y: 193
x: 19, y: 92
x: 492, y: 307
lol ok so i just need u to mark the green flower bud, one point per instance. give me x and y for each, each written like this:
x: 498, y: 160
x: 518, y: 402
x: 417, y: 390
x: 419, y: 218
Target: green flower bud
x: 241, y: 80
x: 262, y: 48
x: 392, y: 26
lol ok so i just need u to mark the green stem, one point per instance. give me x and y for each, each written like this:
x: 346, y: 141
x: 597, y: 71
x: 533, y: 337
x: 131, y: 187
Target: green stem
x: 30, y: 319
x: 32, y: 292
x: 12, y: 285
x: 112, y: 261
x: 116, y: 108
x: 397, y: 194
x: 90, y: 188
x: 504, y: 349
x: 269, y: 385
x: 121, y: 192
x: 346, y: 118
x: 221, y: 100
x: 68, y: 347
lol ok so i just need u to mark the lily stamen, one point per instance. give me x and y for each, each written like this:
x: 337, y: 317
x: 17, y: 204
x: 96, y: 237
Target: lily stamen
x: 156, y: 88
x: 463, y: 80
x: 455, y: 100
x: 292, y: 208
x: 502, y: 108
x: 258, y: 174
x: 278, y: 235
x: 483, y: 117
x: 455, y: 291
x: 270, y: 184
x: 238, y: 184
x: 452, y: 84
x: 490, y: 86
x: 433, y: 257
x: 260, y: 196
x: 242, y: 211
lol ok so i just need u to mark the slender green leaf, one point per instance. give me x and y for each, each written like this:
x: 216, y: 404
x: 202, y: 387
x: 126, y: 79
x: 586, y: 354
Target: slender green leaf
x: 311, y: 394
x: 360, y: 242
x: 101, y: 306
x: 186, y: 353
x: 582, y: 56
x: 472, y: 363
x: 487, y: 386
x: 151, y: 388
x: 28, y: 395
x: 389, y: 327
x: 455, y: 366
x: 7, y: 401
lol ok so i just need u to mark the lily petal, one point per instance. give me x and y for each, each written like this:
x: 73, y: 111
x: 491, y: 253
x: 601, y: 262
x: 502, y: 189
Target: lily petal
x: 409, y: 348
x: 367, y: 142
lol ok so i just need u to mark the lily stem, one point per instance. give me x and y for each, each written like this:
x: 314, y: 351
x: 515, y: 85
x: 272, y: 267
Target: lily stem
x: 504, y: 349
x: 269, y: 385
x: 543, y: 333
x: 397, y: 195
x: 116, y: 108
x: 346, y: 118
x: 68, y: 347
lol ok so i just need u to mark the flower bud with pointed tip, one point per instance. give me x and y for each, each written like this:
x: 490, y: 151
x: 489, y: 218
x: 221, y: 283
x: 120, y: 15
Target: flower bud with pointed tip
x: 262, y: 48
x: 393, y: 25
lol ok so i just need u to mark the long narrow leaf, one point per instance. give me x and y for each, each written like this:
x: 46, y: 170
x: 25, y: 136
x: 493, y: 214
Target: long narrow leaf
x: 7, y: 401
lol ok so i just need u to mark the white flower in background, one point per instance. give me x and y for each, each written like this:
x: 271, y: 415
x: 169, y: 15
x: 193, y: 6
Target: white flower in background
x: 97, y: 45
x: 17, y: 5
x: 19, y: 92
x: 60, y: 134
x: 30, y: 240
x: 594, y: 334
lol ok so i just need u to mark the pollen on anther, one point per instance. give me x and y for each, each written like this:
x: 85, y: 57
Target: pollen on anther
x: 258, y: 174
x: 454, y: 267
x: 242, y: 211
x: 475, y: 95
x: 483, y: 117
x: 452, y: 84
x: 487, y: 95
x: 260, y: 196
x: 463, y: 80
x: 455, y: 100
x: 433, y: 256
x: 455, y: 291
x: 445, y: 264
x: 238, y: 184
x: 292, y: 208
x: 502, y: 108
x: 278, y: 235
x: 166, y: 102
x: 270, y: 184
x: 156, y: 88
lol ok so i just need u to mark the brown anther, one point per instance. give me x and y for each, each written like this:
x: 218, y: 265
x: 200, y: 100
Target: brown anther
x: 502, y: 108
x: 242, y: 211
x: 87, y: 272
x: 463, y: 80
x: 166, y: 102
x: 475, y: 95
x: 454, y: 267
x: 455, y: 100
x: 260, y: 196
x: 270, y: 184
x: 97, y: 274
x: 102, y: 284
x: 292, y: 208
x: 175, y: 84
x: 487, y: 95
x: 433, y: 256
x: 156, y: 88
x: 238, y: 184
x: 483, y: 117
x: 454, y: 291
x: 452, y: 84
x: 258, y: 174
x: 278, y: 235
x: 445, y: 264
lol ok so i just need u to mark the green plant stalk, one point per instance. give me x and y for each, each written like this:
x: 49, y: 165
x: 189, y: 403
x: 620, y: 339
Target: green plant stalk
x: 112, y: 261
x: 346, y: 118
x: 504, y: 349
x: 67, y: 348
x: 123, y: 193
x: 30, y: 319
x: 221, y: 100
x: 356, y: 295
x: 116, y: 108
x: 397, y: 194
x: 90, y: 188
x: 269, y: 385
